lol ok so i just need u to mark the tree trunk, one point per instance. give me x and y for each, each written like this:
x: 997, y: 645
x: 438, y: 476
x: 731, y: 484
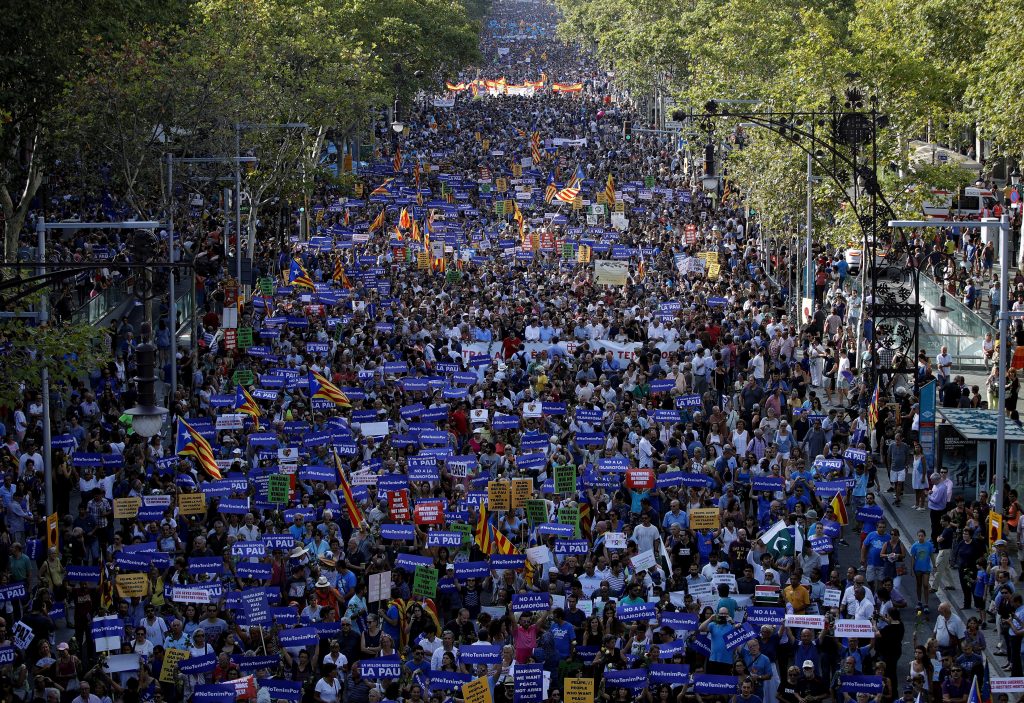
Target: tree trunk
x: 15, y: 212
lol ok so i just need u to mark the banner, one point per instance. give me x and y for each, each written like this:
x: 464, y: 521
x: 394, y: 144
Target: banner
x: 633, y: 679
x: 132, y: 585
x: 854, y: 628
x: 172, y: 657
x: 927, y: 431
x: 715, y: 684
x: 871, y: 685
x: 529, y: 683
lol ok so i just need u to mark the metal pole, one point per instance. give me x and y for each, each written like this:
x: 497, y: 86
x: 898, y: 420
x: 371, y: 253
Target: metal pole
x: 44, y: 376
x: 238, y: 205
x: 172, y: 310
x: 1004, y: 325
x: 810, y: 231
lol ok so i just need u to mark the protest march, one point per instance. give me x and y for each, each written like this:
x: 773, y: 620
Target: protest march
x: 524, y: 420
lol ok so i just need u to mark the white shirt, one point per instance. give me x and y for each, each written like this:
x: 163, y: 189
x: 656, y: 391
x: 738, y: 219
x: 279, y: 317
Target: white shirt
x: 945, y: 362
x: 438, y: 656
x: 328, y: 691
x: 944, y: 628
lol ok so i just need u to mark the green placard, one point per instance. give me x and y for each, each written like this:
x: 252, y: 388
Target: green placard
x: 466, y: 530
x: 648, y: 181
x: 570, y: 515
x: 485, y: 187
x: 243, y: 377
x: 266, y: 285
x: 278, y: 489
x: 565, y: 479
x: 537, y: 511
x: 568, y: 251
x: 424, y: 583
x: 244, y: 337
x: 453, y: 276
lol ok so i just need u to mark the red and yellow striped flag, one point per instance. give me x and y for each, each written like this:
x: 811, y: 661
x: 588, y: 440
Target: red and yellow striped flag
x: 378, y: 222
x: 355, y: 515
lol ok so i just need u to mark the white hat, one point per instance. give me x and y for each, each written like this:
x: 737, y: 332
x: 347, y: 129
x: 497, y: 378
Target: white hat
x: 322, y: 582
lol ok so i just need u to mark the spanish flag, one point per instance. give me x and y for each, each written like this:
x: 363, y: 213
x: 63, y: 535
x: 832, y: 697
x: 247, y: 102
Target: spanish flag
x: 246, y: 404
x: 298, y: 276
x: 839, y: 508
x: 378, y: 222
x: 609, y: 191
x: 355, y: 515
x: 191, y: 443
x: 321, y: 388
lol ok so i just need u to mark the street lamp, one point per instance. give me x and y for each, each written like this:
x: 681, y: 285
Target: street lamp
x: 147, y: 416
x: 1015, y: 175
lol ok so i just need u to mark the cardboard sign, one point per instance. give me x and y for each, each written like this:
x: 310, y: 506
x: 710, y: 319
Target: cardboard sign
x: 522, y: 489
x: 477, y: 691
x: 831, y: 598
x: 126, y: 508
x: 425, y: 582
x: 191, y: 503
x: 570, y: 515
x: 379, y: 587
x: 705, y: 519
x: 615, y: 540
x: 398, y: 504
x: 131, y: 585
x: 499, y: 495
x: 644, y: 560
x: 170, y: 665
x: 537, y: 511
x: 579, y: 690
x: 428, y: 514
x: 278, y: 489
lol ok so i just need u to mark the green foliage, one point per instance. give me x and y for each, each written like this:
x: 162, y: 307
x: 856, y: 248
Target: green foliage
x: 28, y: 350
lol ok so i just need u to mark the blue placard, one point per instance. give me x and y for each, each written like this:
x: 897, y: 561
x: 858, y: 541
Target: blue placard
x: 213, y: 692
x: 691, y: 400
x: 672, y: 674
x: 439, y: 538
x: 448, y: 680
x: 670, y: 649
x: 855, y: 456
x: 507, y: 561
x: 199, y: 665
x: 767, y: 483
x: 679, y: 621
x: 557, y: 529
x: 763, y: 615
x: 715, y: 684
x: 283, y: 542
x: 398, y: 532
x: 381, y: 667
x: 572, y: 546
x: 480, y: 654
x: 251, y: 664
x: 870, y: 513
x: 860, y: 684
x: 409, y: 562
x: 633, y: 679
x: 529, y: 683
x: 206, y: 565
x: 528, y: 602
x: 253, y: 570
x: 739, y: 636
x: 14, y: 591
x: 472, y: 569
x: 280, y: 689
x: 249, y: 549
x: 298, y: 637
x: 701, y: 644
x: 640, y: 611
x: 83, y: 574
x: 7, y: 655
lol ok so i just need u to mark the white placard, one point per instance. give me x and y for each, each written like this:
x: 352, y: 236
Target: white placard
x: 121, y: 662
x: 158, y: 500
x: 1007, y: 684
x: 533, y: 409
x: 380, y: 587
x: 701, y: 589
x: 832, y: 598
x: 479, y: 415
x: 364, y: 477
x: 619, y: 221
x: 374, y: 429
x: 854, y: 628
x: 728, y: 579
x: 814, y: 622
x: 644, y: 560
x: 587, y: 606
x: 557, y: 601
x: 538, y: 555
x: 23, y: 635
x: 230, y: 421
x: 190, y: 595
x: 615, y: 540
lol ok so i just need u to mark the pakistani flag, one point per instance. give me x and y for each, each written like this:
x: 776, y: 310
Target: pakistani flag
x: 783, y: 540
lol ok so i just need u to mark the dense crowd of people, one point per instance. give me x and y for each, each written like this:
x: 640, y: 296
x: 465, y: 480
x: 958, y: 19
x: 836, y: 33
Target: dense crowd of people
x: 524, y: 419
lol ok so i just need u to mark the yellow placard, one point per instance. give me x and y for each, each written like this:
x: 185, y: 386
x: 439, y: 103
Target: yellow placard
x: 170, y: 666
x: 478, y: 136
x: 358, y: 190
x: 132, y: 585
x: 125, y: 508
x: 501, y: 185
x: 191, y: 503
x: 602, y: 198
x: 422, y: 260
x: 705, y: 519
x: 476, y: 691
x: 995, y: 526
x: 487, y: 144
x: 53, y: 531
x: 713, y: 271
x: 579, y: 690
x: 499, y: 495
x: 620, y: 206
x: 517, y: 170
x: 577, y: 204
x: 522, y: 491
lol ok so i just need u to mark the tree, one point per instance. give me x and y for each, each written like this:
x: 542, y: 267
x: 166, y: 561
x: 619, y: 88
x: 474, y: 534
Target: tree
x: 998, y: 80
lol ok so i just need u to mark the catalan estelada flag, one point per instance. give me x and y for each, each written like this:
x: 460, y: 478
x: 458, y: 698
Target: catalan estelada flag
x: 321, y: 388
x: 839, y: 508
x: 609, y: 191
x: 355, y: 515
x: 482, y: 531
x: 298, y: 276
x: 382, y: 189
x: 551, y: 190
x: 246, y: 404
x: 875, y: 404
x: 191, y: 443
x: 378, y: 221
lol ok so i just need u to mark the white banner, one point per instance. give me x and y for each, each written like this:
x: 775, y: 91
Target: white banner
x: 443, y: 102
x: 1007, y: 684
x: 190, y: 595
x: 621, y: 350
x: 854, y: 628
x: 563, y: 141
x: 814, y: 622
x: 526, y: 91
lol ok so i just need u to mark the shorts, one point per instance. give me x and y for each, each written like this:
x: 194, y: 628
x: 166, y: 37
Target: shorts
x: 898, y: 476
x: 875, y: 573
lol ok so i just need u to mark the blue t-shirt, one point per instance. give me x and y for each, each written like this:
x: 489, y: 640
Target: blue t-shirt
x: 875, y: 542
x: 869, y: 517
x: 922, y: 552
x: 563, y: 635
x: 718, y: 631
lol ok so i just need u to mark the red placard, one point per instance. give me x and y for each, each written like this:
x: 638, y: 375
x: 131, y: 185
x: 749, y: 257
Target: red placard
x: 398, y: 504
x: 430, y: 512
x: 640, y: 479
x: 231, y: 339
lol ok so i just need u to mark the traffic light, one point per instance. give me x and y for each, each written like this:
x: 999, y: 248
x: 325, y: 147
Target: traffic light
x: 627, y: 130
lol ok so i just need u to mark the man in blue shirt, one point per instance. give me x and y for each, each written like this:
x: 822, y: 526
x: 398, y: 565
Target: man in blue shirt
x: 563, y: 634
x: 718, y: 626
x: 871, y: 554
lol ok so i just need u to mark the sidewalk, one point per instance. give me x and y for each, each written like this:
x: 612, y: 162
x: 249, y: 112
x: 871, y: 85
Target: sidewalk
x: 909, y: 521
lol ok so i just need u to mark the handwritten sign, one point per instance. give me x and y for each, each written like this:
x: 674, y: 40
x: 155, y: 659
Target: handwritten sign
x: 579, y: 690
x: 522, y: 489
x: 191, y: 503
x: 278, y: 489
x: 126, y: 508
x: 705, y: 519
x: 499, y: 495
x: 170, y: 665
x: 130, y: 585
